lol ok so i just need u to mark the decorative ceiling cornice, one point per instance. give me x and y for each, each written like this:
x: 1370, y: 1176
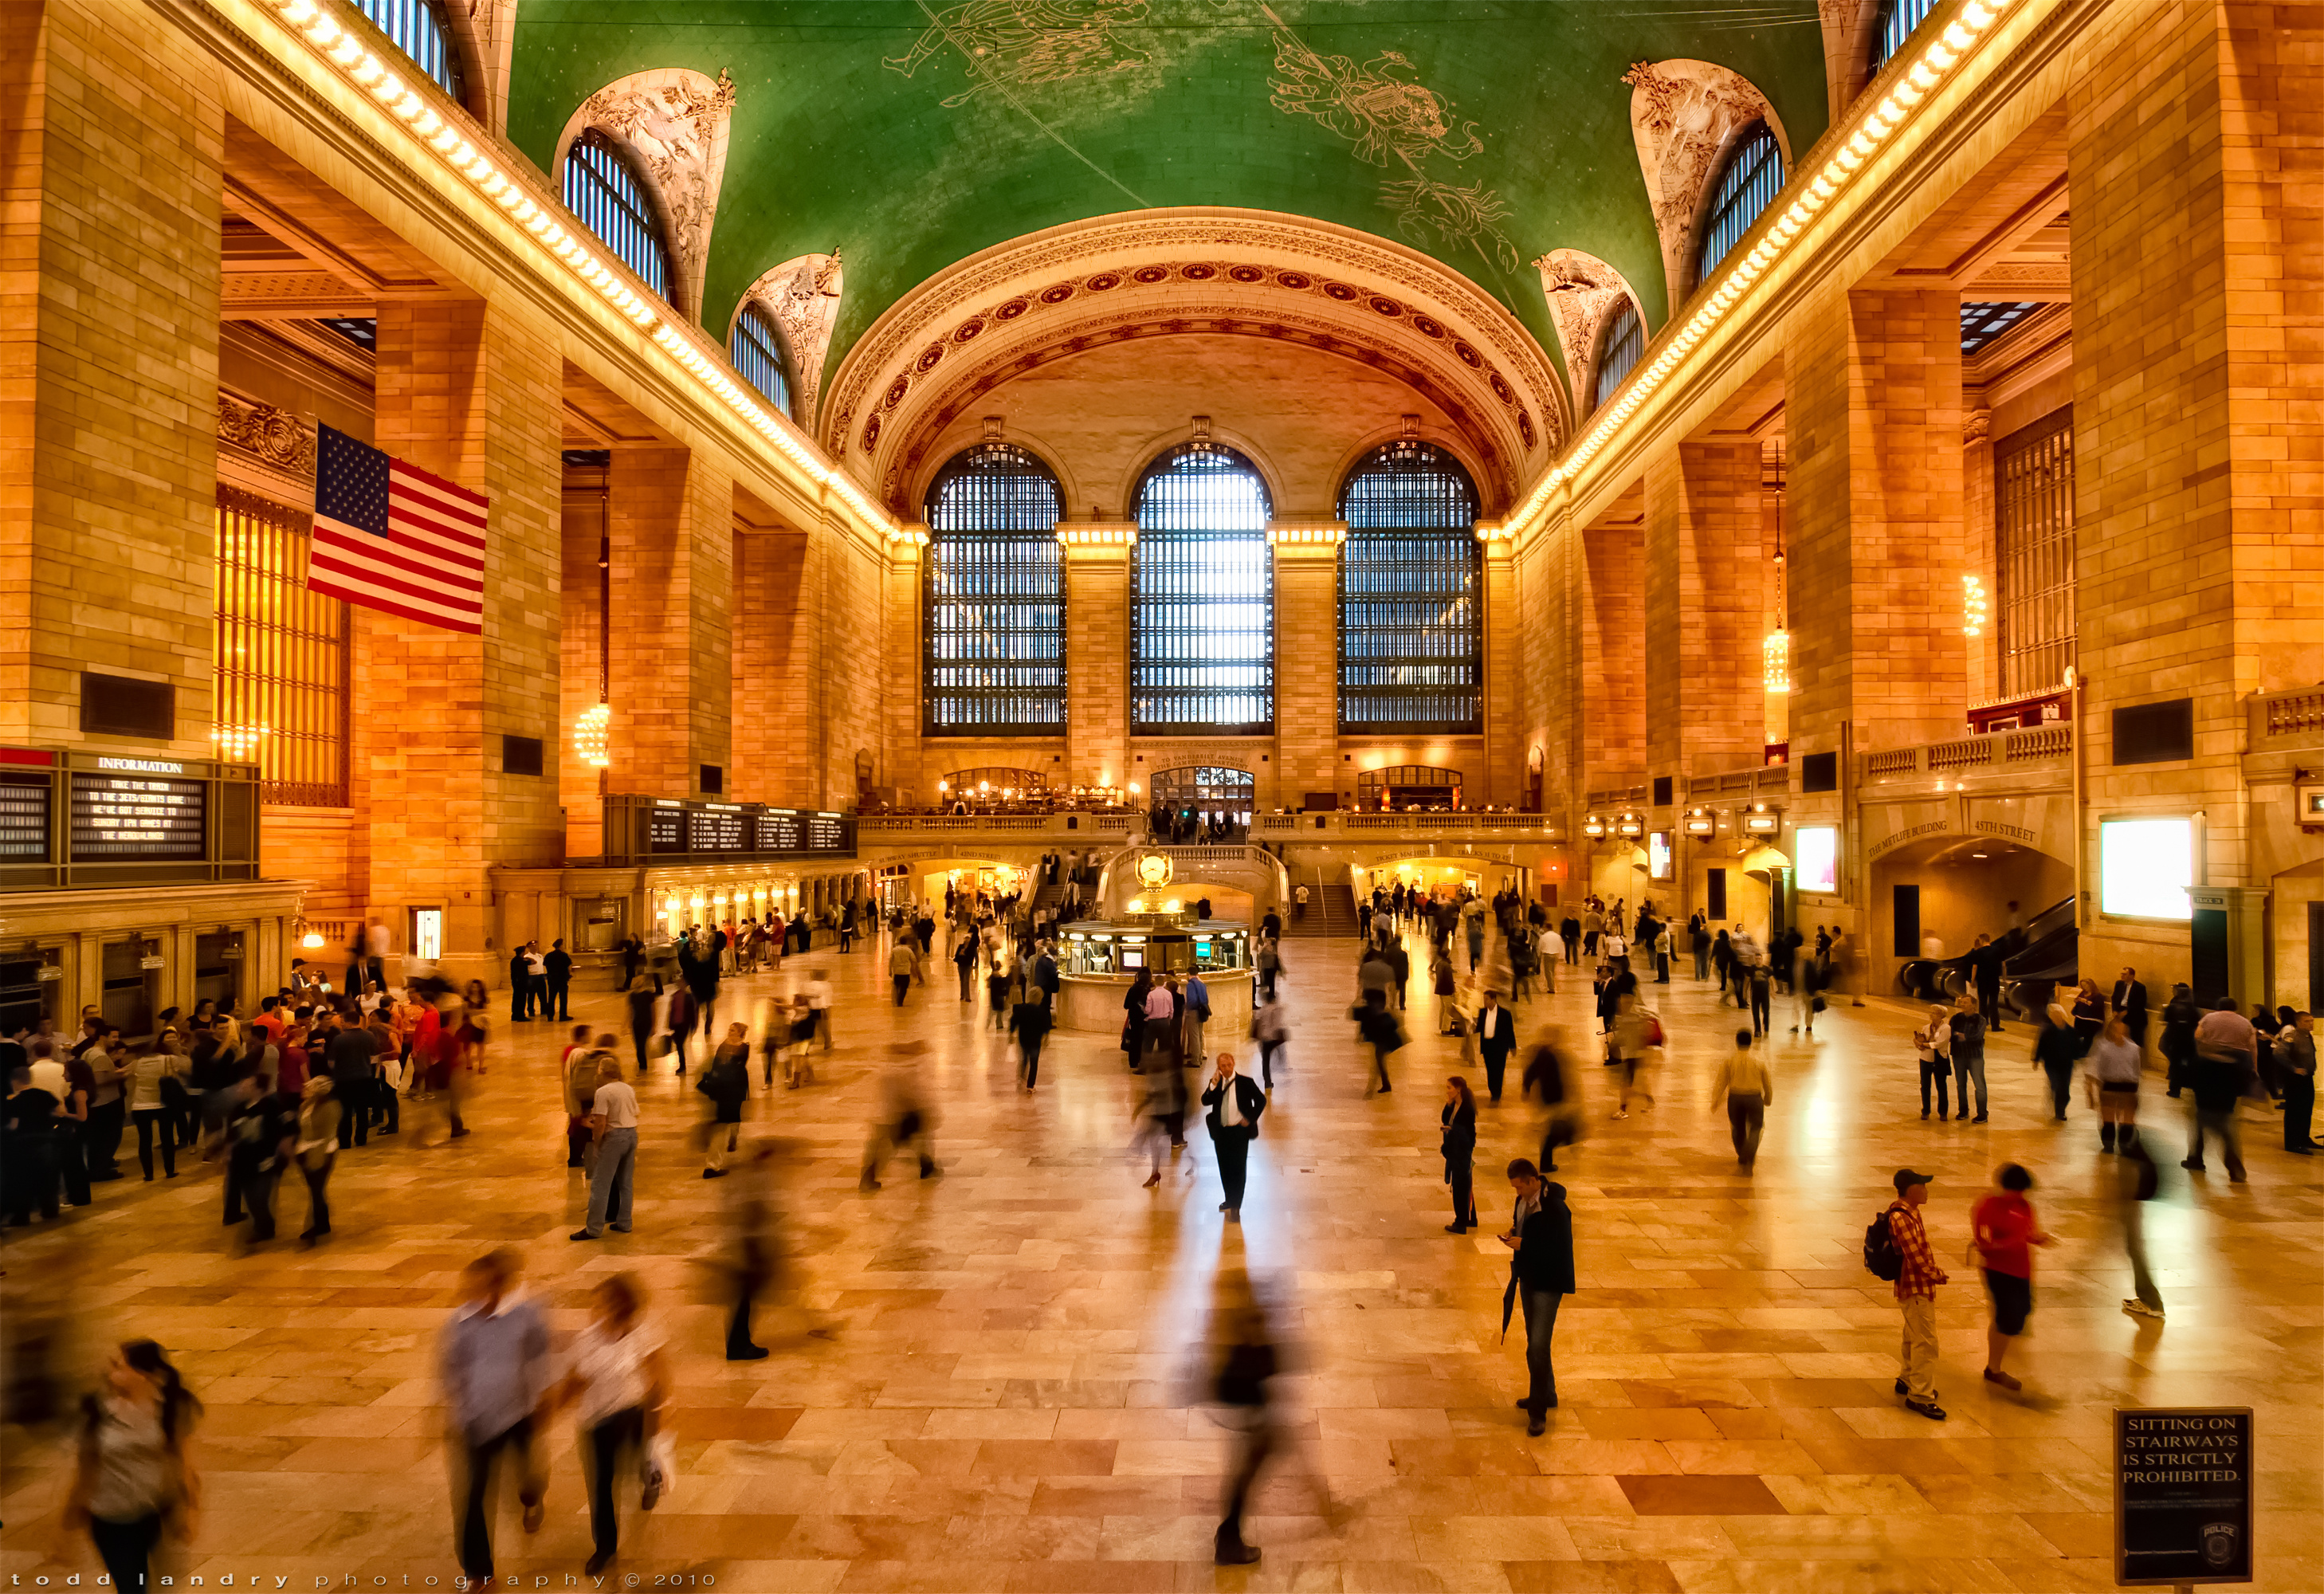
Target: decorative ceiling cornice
x: 1379, y: 299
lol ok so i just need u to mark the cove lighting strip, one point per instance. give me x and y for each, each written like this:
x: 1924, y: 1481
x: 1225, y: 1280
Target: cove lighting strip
x: 1923, y: 77
x: 345, y: 50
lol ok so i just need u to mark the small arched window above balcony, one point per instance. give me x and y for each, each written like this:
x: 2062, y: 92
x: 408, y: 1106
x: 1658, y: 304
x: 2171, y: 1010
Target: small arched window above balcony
x: 604, y: 190
x: 1747, y: 185
x: 757, y: 350
x: 421, y: 30
x: 1892, y: 25
x: 1620, y: 345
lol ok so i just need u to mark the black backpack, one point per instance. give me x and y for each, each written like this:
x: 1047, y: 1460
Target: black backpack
x: 1882, y: 1259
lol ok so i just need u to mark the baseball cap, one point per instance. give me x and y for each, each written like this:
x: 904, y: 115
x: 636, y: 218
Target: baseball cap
x: 1907, y: 1178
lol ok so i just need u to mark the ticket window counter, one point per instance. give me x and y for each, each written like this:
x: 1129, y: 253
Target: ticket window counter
x: 218, y: 969
x: 600, y: 923
x: 31, y: 990
x: 130, y: 986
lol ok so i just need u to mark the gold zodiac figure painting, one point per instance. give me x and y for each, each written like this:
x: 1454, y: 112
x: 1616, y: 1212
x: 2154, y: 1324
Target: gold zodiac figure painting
x: 1010, y: 44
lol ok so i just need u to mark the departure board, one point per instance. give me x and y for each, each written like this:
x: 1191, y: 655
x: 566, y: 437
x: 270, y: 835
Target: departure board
x: 825, y: 833
x: 779, y: 833
x: 136, y: 818
x: 664, y: 830
x: 717, y: 830
x: 24, y: 817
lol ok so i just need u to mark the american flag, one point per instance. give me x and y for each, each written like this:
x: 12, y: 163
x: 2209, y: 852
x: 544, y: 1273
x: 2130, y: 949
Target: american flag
x: 390, y: 536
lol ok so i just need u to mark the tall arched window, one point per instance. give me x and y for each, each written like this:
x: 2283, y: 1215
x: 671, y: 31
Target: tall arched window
x: 1752, y: 177
x: 1411, y: 630
x: 1202, y: 614
x: 995, y: 592
x: 1898, y: 18
x: 417, y: 28
x: 1618, y: 348
x: 757, y: 351
x: 603, y: 190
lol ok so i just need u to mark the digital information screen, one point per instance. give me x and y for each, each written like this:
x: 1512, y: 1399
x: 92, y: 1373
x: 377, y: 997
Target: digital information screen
x: 24, y: 818
x: 779, y: 833
x: 664, y: 830
x: 722, y: 830
x: 1816, y: 849
x: 2145, y: 868
x: 132, y: 818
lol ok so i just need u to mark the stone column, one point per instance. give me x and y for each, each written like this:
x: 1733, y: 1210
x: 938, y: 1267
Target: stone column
x: 1097, y: 653
x: 472, y: 391
x: 1306, y: 663
x: 672, y: 547
x: 1872, y: 421
x: 904, y: 666
x: 112, y: 134
x: 769, y: 698
x: 1609, y: 689
x: 1501, y: 781
x: 1704, y: 576
x: 581, y: 600
x: 2197, y: 267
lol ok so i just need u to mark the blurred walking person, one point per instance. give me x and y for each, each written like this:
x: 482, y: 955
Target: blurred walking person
x: 905, y: 1119
x: 613, y: 1176
x: 726, y: 1082
x: 618, y: 1387
x: 2136, y: 1182
x: 1247, y: 1361
x: 315, y: 1148
x: 1748, y: 1089
x: 494, y: 1364
x: 133, y: 1472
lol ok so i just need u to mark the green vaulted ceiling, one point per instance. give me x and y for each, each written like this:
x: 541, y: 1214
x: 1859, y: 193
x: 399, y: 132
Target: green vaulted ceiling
x: 906, y: 136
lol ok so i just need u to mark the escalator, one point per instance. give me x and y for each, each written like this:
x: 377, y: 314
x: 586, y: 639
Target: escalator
x: 2034, y: 959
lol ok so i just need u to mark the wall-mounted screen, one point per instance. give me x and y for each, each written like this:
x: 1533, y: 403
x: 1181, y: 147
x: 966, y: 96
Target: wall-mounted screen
x: 2145, y: 868
x: 1815, y: 854
x: 1658, y: 855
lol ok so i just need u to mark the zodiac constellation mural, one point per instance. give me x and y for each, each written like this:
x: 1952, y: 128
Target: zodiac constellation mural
x: 1391, y: 118
x: 1380, y: 107
x: 1010, y: 45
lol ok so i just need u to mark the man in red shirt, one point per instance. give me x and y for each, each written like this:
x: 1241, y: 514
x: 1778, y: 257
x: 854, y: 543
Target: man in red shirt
x: 1916, y: 1294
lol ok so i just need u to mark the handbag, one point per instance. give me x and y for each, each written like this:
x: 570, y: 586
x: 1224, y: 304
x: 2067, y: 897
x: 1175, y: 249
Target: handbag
x: 661, y: 1461
x: 1816, y: 1006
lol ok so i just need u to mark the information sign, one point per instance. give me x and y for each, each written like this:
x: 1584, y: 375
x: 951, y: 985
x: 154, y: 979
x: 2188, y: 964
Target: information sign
x: 24, y: 817
x: 2182, y: 1496
x: 664, y: 830
x: 716, y: 830
x: 779, y: 833
x: 136, y: 817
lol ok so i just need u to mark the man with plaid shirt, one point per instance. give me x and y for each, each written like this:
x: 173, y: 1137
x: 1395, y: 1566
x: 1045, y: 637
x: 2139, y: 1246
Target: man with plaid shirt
x: 1916, y: 1294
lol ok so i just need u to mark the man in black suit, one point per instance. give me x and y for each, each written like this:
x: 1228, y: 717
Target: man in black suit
x: 1232, y: 1105
x: 2129, y: 1005
x: 555, y: 1000
x: 1541, y: 1275
x: 1497, y: 1038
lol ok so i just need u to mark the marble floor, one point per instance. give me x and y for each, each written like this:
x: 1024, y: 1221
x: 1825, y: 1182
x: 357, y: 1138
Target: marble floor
x: 993, y: 1381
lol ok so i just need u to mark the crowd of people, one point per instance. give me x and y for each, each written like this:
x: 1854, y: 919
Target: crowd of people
x: 312, y: 1076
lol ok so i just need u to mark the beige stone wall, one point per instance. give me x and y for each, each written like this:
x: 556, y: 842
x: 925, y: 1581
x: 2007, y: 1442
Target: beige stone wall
x: 1306, y: 753
x: 470, y: 391
x: 586, y: 527
x: 2200, y: 550
x: 773, y: 652
x: 112, y: 131
x: 1704, y: 574
x: 672, y: 549
x: 1097, y: 664
x: 1609, y: 691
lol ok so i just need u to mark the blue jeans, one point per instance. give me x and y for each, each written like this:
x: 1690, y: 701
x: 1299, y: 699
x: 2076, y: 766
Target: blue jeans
x: 1966, y: 1066
x: 1541, y: 1322
x: 611, y: 1180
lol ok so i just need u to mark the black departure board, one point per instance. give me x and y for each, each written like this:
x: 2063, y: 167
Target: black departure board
x: 664, y: 830
x: 717, y: 830
x: 825, y: 833
x: 24, y: 817
x: 779, y: 833
x: 137, y: 818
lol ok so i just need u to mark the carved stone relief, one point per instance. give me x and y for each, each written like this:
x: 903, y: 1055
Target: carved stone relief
x: 803, y: 296
x: 1583, y: 292
x: 1683, y: 114
x: 492, y: 30
x: 675, y: 122
x: 265, y: 450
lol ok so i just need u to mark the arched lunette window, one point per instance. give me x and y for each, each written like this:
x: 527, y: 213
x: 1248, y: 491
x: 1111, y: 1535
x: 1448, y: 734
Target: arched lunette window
x: 418, y: 28
x: 757, y: 351
x: 1202, y: 614
x: 1618, y: 348
x: 607, y: 193
x: 994, y: 587
x: 1897, y: 19
x: 1411, y: 626
x: 1752, y: 177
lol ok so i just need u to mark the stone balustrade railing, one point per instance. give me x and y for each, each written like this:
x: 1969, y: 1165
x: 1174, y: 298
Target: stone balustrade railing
x: 2278, y: 715
x: 1997, y: 749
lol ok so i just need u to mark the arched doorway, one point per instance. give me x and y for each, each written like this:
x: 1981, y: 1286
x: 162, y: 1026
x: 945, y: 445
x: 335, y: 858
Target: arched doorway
x: 1199, y: 795
x: 1409, y: 785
